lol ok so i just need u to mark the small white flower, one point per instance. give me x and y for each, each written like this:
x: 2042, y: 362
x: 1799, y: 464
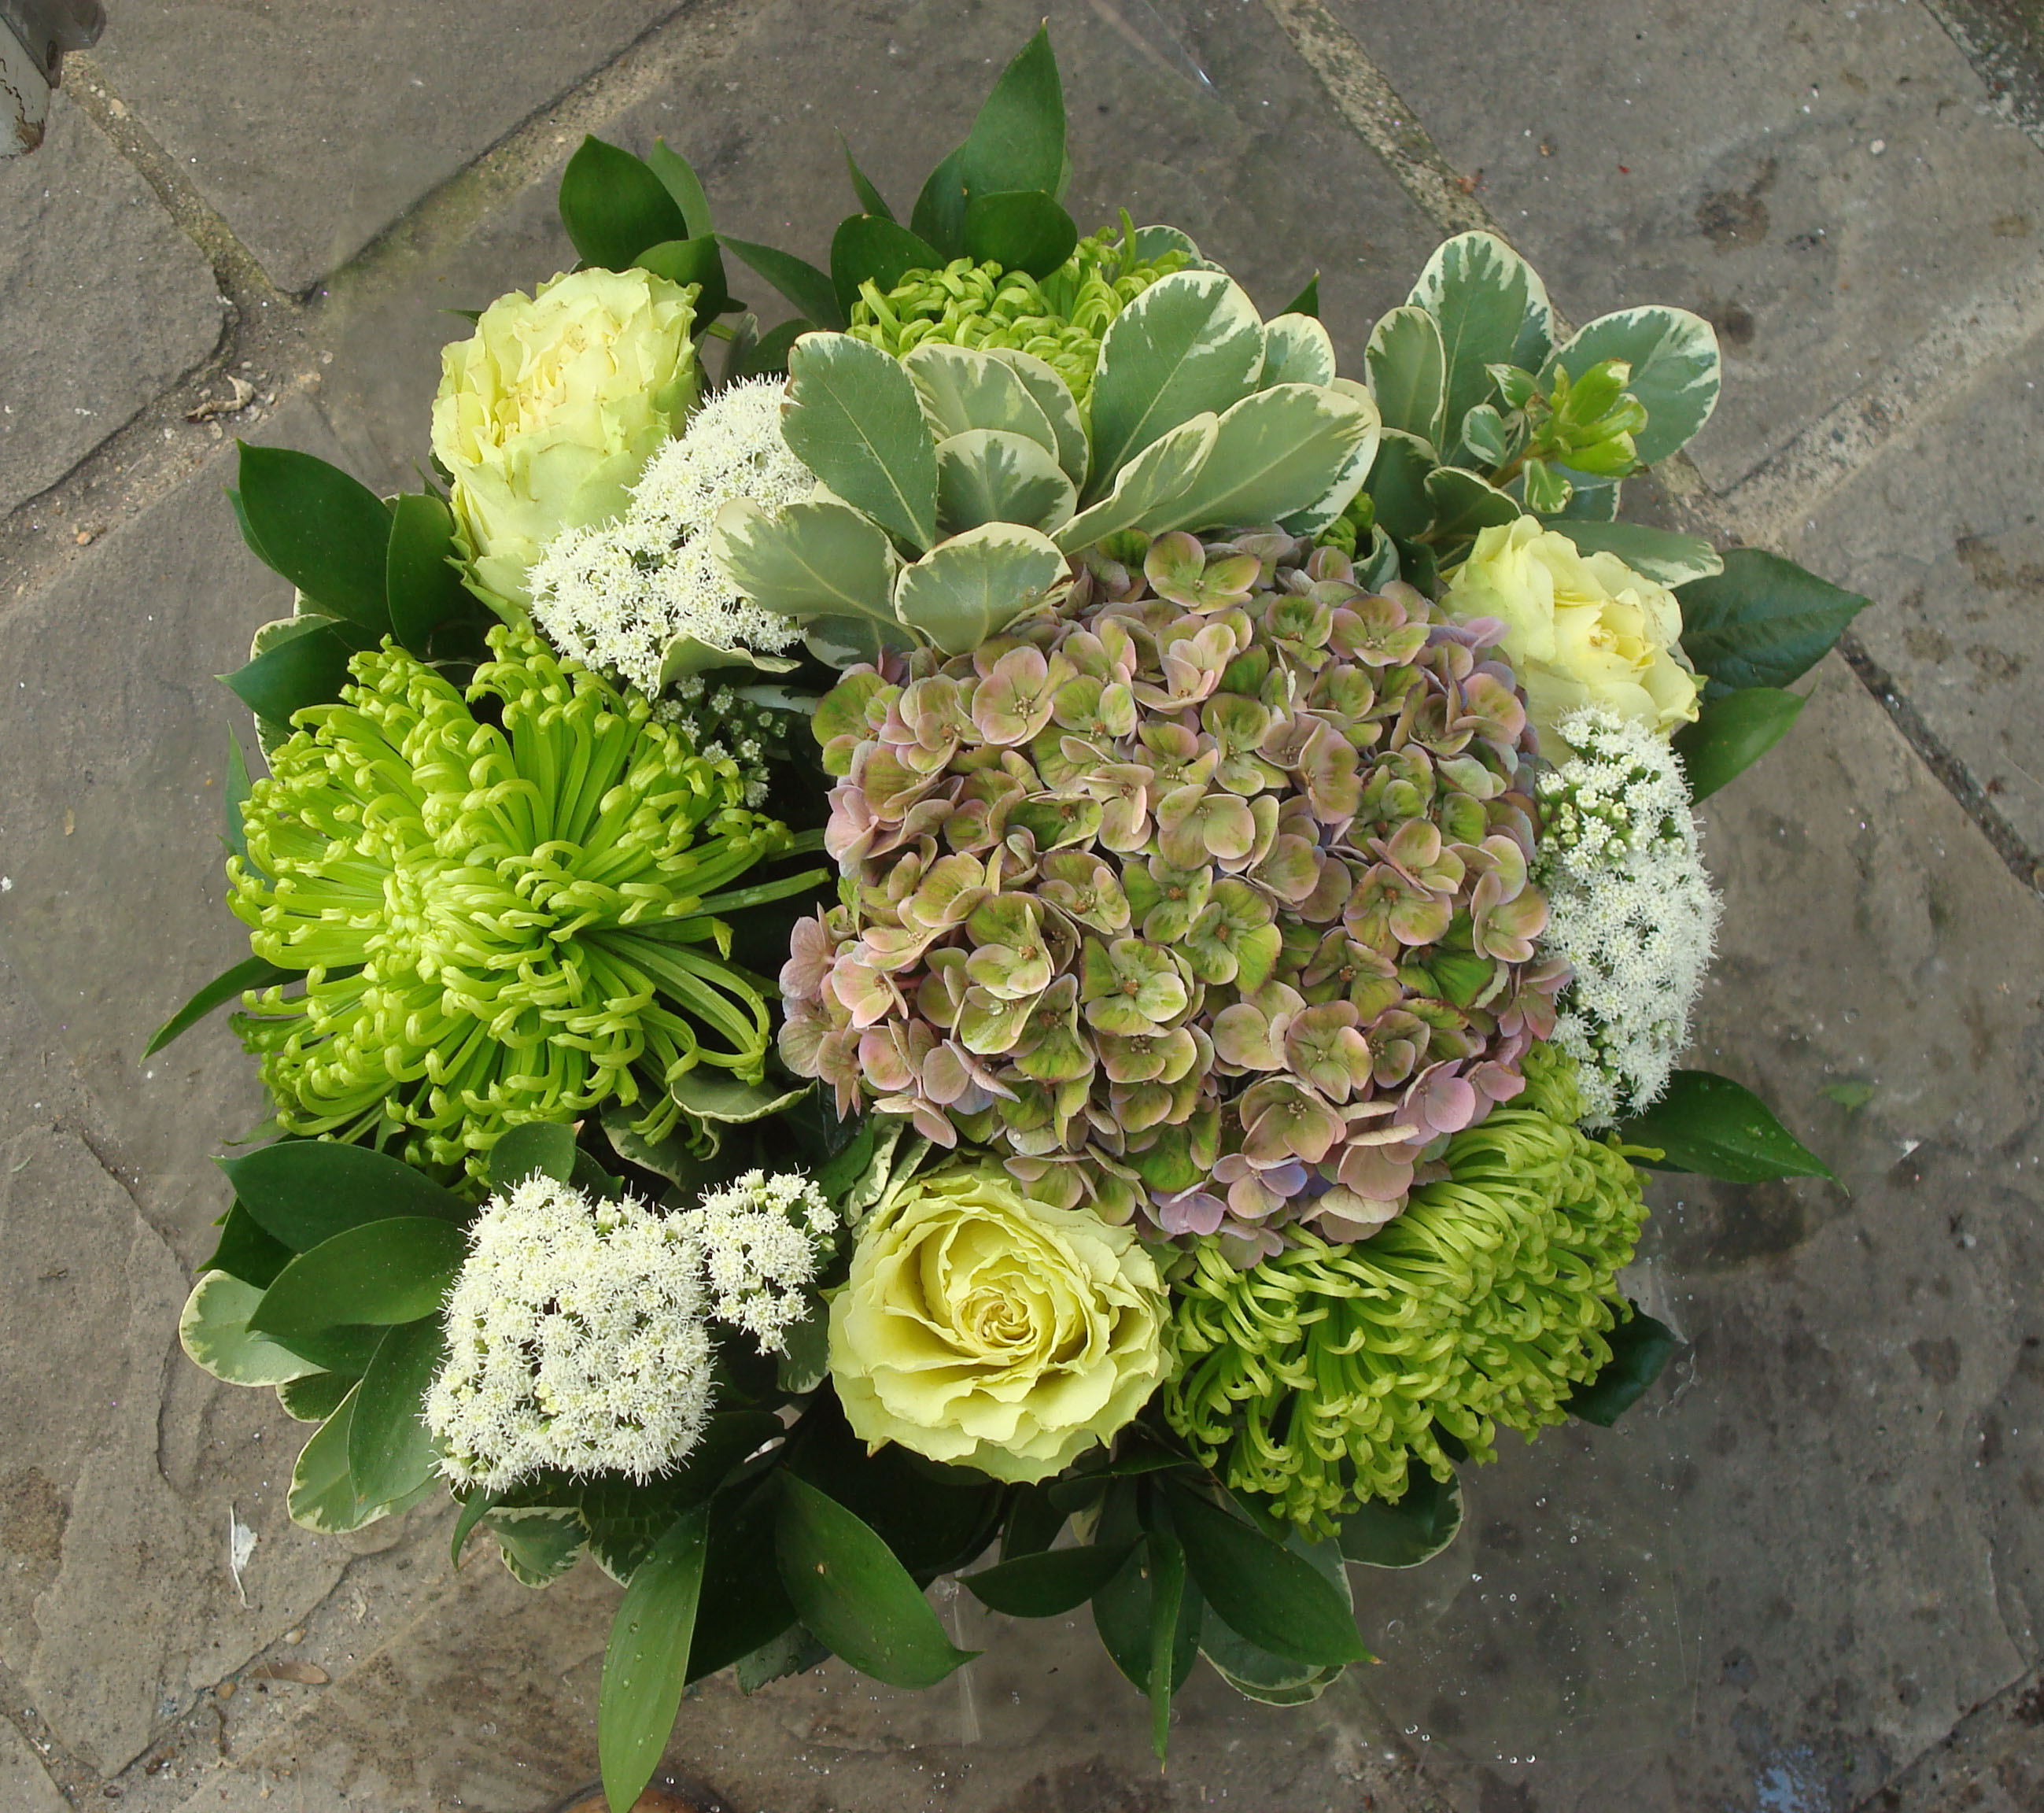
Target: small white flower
x: 763, y: 1240
x: 1630, y: 906
x: 575, y: 1340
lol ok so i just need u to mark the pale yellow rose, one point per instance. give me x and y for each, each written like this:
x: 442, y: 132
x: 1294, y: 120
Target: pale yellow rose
x: 546, y: 418
x: 982, y: 1328
x: 1580, y: 629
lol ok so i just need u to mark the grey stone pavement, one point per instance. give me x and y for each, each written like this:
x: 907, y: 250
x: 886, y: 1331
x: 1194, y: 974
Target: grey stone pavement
x: 1806, y: 1576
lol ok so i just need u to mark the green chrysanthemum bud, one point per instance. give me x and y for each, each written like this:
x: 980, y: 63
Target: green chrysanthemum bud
x: 1314, y: 1378
x: 1059, y: 320
x: 497, y: 925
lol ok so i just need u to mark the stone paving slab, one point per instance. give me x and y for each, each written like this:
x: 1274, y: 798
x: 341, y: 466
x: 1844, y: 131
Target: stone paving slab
x: 1257, y: 166
x: 312, y: 126
x: 1824, y: 179
x: 25, y: 1786
x: 1941, y: 531
x: 105, y: 303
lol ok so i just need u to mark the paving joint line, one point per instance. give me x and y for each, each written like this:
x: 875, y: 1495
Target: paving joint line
x: 1825, y: 456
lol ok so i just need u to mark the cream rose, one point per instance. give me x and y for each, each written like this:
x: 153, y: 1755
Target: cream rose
x: 547, y: 417
x: 981, y: 1328
x: 1580, y: 629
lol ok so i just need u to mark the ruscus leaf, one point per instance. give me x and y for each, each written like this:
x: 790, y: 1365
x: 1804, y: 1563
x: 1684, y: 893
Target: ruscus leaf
x: 1731, y: 733
x: 1763, y: 621
x: 1715, y: 1127
x: 325, y: 532
x: 614, y: 206
x: 1640, y: 1349
x: 646, y: 1663
x: 1047, y: 1585
x: 305, y: 1191
x: 382, y: 1273
x: 1277, y: 1599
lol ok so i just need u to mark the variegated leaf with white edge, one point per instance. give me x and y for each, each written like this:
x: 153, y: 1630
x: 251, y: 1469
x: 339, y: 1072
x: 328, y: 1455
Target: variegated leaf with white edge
x: 1408, y: 372
x: 1162, y: 471
x: 1053, y: 397
x: 1297, y: 350
x: 852, y: 416
x: 817, y: 558
x: 214, y: 1332
x: 960, y: 389
x: 986, y: 475
x: 1275, y: 455
x: 1492, y: 308
x: 1676, y: 370
x: 1351, y: 477
x: 967, y: 589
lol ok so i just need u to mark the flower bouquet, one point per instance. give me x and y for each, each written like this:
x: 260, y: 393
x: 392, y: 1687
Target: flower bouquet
x: 1027, y: 933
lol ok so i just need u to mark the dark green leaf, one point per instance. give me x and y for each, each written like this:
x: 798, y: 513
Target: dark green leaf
x: 1017, y: 141
x: 1168, y: 1597
x: 1397, y: 484
x: 848, y: 1588
x: 1308, y: 301
x: 810, y: 290
x: 345, y: 1352
x: 687, y: 261
x: 1048, y: 1584
x: 315, y: 1397
x: 323, y: 531
x: 742, y: 1606
x: 939, y: 215
x: 1121, y: 1609
x: 677, y: 177
x: 768, y: 356
x: 794, y: 1652
x: 845, y: 1167
x: 614, y: 206
x: 646, y: 1662
x: 420, y: 580
x: 385, y: 1272
x: 1659, y: 553
x: 1404, y: 1532
x: 1762, y: 622
x: 872, y: 248
x: 1020, y: 230
x: 236, y: 796
x: 246, y: 1251
x: 1033, y: 1524
x: 1710, y: 1125
x: 305, y: 1191
x: 252, y: 973
x: 544, y: 1147
x: 624, y: 1519
x: 478, y: 1506
x: 1277, y: 1599
x: 389, y: 1448
x: 871, y: 200
x: 1640, y: 1348
x: 249, y: 538
x: 1464, y: 503
x: 309, y: 668
x: 1731, y: 733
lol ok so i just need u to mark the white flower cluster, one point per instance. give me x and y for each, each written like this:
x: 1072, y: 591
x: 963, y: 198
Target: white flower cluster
x: 614, y: 594
x: 720, y: 725
x: 1629, y: 907
x: 575, y: 1340
x: 763, y: 1240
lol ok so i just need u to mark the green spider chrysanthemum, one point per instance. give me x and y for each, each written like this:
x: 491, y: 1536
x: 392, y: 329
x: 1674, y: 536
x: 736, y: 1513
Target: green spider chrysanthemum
x: 496, y: 926
x: 1060, y: 320
x: 1315, y: 1377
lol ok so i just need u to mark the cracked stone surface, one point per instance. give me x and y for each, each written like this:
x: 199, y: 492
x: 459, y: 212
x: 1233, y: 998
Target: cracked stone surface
x: 106, y: 303
x: 1822, y: 181
x: 24, y: 1784
x: 1942, y: 531
x: 311, y: 127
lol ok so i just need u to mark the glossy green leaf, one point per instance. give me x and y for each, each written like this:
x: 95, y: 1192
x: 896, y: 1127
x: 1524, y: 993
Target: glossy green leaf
x: 1674, y: 356
x: 1297, y: 350
x: 973, y: 586
x: 250, y: 539
x: 1190, y: 343
x: 852, y: 1593
x: 677, y: 176
x: 962, y: 389
x: 321, y: 1496
x: 1408, y: 372
x: 539, y: 1543
x: 794, y: 1652
x: 699, y: 261
x: 852, y: 417
x: 305, y: 1191
x: 987, y: 476
x: 1275, y: 454
x: 214, y: 1332
x: 478, y: 1506
x: 345, y: 1352
x: 710, y: 1094
x: 1276, y: 1599
x: 323, y: 531
x: 545, y: 1147
x: 1660, y: 554
x: 389, y: 1448
x: 1640, y: 1350
x: 1763, y: 621
x: 423, y: 586
x: 1463, y: 502
x: 1397, y: 483
x: 1731, y: 733
x: 1017, y: 139
x: 1404, y: 1532
x: 871, y: 200
x: 939, y: 215
x: 743, y: 1605
x: 809, y: 559
x: 245, y: 1252
x: 1308, y: 301
x: 614, y: 206
x: 873, y: 249
x: 1492, y: 308
x: 1254, y: 1672
x: 1124, y: 1614
x: 384, y: 1272
x: 229, y: 985
x: 811, y: 290
x: 315, y: 1397
x: 767, y: 357
x: 1714, y: 1127
x: 1047, y: 1585
x: 308, y: 668
x: 1146, y: 486
x: 645, y: 1664
x: 1170, y: 1591
x: 1053, y: 397
x: 234, y: 796
x: 1033, y: 1524
x: 1019, y: 229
